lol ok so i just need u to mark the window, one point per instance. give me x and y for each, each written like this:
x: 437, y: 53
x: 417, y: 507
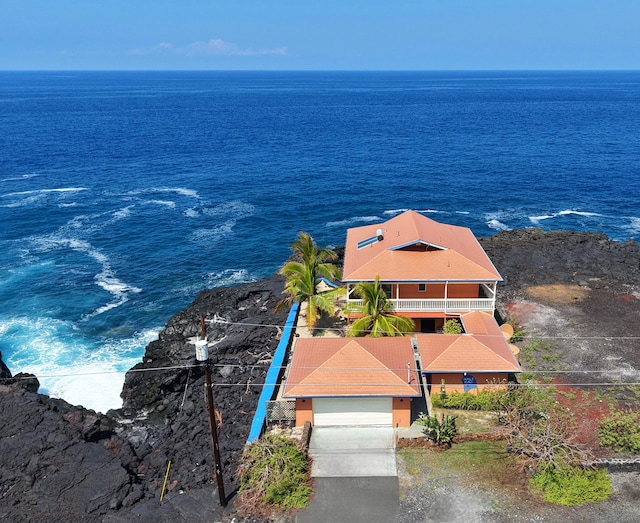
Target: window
x: 386, y: 287
x: 422, y: 287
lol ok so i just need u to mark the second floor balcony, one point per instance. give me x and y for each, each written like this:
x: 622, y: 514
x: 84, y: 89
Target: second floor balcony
x: 446, y: 305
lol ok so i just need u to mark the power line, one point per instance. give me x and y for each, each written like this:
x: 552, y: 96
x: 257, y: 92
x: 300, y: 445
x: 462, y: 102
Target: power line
x: 408, y: 333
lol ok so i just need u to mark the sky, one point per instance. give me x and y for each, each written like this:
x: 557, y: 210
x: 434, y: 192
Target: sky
x: 319, y: 34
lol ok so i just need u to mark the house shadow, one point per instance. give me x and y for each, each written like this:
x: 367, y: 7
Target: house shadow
x: 418, y: 406
x: 334, y: 326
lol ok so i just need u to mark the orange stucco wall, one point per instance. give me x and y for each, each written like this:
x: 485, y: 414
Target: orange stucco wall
x: 304, y: 411
x: 453, y: 381
x: 436, y: 290
x: 401, y: 412
x: 401, y: 415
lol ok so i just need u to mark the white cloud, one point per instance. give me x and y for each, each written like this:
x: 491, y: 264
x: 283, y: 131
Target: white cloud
x: 214, y: 46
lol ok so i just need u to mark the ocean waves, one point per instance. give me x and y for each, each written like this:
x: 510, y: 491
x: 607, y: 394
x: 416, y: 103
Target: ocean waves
x: 69, y: 363
x: 124, y: 215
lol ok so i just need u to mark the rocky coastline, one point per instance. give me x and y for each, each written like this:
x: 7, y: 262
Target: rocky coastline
x: 64, y: 463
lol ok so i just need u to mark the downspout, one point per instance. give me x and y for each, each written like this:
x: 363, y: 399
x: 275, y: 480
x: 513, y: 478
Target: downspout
x: 446, y: 288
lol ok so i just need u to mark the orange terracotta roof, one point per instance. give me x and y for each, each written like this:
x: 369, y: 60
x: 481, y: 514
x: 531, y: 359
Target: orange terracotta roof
x: 478, y: 322
x: 323, y: 367
x: 466, y: 353
x: 450, y: 253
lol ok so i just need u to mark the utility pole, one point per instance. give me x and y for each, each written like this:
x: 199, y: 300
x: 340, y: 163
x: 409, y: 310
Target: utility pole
x: 202, y: 355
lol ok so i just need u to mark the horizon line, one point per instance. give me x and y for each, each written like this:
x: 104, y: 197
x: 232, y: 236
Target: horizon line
x: 523, y: 70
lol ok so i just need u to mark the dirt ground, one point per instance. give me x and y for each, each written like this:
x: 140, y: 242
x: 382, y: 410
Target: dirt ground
x: 591, y: 352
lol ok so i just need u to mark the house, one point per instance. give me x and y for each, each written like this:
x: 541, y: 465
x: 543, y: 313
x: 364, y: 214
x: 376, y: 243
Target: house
x: 431, y: 271
x: 478, y: 358
x: 353, y: 381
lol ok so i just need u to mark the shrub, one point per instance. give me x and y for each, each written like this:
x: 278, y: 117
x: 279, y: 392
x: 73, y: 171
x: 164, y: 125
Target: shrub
x: 572, y: 485
x: 440, y: 432
x: 452, y: 327
x: 484, y: 399
x: 621, y: 431
x: 274, y: 471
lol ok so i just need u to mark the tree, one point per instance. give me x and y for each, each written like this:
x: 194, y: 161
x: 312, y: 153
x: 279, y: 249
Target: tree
x: 540, y: 431
x: 303, y: 274
x: 377, y: 318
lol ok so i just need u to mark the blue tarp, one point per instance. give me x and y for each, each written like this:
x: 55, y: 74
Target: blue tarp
x: 271, y: 380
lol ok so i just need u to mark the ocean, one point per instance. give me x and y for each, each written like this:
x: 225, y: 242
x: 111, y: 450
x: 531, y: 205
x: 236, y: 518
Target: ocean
x: 123, y: 194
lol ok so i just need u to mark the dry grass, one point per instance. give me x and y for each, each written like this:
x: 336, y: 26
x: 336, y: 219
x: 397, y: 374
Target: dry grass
x: 557, y: 293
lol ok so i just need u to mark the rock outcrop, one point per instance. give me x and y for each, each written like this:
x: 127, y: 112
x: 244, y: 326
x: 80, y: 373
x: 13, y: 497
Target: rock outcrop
x: 61, y: 463
x: 534, y: 257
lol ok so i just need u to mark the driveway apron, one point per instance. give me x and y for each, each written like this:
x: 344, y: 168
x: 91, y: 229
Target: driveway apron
x: 355, y: 476
x: 352, y: 452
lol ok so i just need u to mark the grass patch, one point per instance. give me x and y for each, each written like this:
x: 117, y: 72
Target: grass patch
x: 470, y: 421
x: 475, y: 460
x: 539, y: 355
x: 573, y: 486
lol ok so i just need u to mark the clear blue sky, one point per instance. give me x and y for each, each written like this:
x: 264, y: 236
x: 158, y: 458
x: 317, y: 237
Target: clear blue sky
x: 319, y: 34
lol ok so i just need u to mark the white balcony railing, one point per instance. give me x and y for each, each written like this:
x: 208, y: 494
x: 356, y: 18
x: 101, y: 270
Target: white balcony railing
x: 439, y: 305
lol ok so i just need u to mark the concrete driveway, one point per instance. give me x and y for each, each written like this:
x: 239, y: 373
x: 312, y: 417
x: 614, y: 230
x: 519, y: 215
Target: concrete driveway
x: 355, y: 476
x: 341, y: 452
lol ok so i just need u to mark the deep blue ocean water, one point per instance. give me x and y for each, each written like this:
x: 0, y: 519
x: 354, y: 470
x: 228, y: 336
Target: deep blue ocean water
x: 123, y: 194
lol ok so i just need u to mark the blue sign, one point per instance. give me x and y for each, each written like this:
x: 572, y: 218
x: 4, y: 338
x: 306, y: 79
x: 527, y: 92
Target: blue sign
x: 469, y: 382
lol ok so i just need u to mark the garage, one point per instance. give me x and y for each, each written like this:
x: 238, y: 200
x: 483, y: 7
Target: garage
x: 352, y: 412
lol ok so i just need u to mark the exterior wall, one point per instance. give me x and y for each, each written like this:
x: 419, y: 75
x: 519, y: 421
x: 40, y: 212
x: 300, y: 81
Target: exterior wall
x: 304, y: 411
x: 410, y: 290
x: 463, y: 290
x: 453, y: 381
x: 436, y: 290
x: 401, y: 412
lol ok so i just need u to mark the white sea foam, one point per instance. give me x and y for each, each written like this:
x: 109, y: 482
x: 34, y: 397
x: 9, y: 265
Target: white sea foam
x: 120, y: 214
x: 395, y: 211
x: 355, y: 219
x: 177, y: 190
x: 537, y: 219
x: 44, y: 191
x: 463, y: 212
x: 223, y: 278
x: 69, y: 366
x: 567, y: 212
x: 191, y: 213
x: 166, y: 203
x: 227, y: 277
x: 236, y: 208
x: 18, y: 178
x: 430, y: 211
x: 106, y: 278
x: 634, y: 225
x: 578, y: 213
x: 214, y: 233
x: 497, y: 225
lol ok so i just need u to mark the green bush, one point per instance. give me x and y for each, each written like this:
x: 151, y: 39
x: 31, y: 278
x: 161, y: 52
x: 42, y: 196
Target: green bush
x: 572, y: 485
x: 484, y: 399
x: 452, y: 327
x: 274, y: 471
x: 621, y: 431
x: 441, y: 432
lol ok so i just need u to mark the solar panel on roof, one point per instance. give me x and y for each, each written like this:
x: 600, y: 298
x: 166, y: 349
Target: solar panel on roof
x: 368, y: 241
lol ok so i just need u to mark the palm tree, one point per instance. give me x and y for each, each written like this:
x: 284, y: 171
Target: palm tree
x: 304, y: 276
x: 377, y: 318
x: 318, y: 259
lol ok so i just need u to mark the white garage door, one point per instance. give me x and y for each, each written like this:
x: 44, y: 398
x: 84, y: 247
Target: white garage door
x: 352, y: 411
